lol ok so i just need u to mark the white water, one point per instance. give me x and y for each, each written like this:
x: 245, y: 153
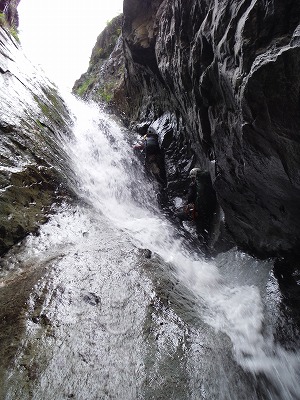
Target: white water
x: 209, y: 332
x: 113, y: 182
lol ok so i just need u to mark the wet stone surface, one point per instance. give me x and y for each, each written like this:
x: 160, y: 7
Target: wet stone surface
x: 33, y: 121
x: 92, y: 299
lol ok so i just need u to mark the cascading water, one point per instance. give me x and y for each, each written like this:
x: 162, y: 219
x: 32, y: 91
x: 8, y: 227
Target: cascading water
x: 105, y: 322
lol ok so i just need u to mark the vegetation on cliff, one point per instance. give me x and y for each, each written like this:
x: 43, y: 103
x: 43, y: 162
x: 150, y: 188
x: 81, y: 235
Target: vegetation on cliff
x: 33, y: 168
x: 9, y: 9
x: 6, y: 25
x: 220, y: 82
x: 104, y: 79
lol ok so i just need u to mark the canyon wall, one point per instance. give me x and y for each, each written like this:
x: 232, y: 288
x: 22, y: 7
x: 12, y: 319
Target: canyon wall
x: 220, y: 81
x: 104, y: 79
x: 33, y: 165
x: 9, y: 9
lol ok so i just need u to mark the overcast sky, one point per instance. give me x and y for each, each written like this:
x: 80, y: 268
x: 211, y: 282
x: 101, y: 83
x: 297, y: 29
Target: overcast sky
x: 60, y: 34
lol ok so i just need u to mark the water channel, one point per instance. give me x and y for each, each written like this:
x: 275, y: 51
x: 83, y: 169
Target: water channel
x: 119, y: 304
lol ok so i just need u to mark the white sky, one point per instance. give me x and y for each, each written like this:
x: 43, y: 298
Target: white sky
x: 59, y: 35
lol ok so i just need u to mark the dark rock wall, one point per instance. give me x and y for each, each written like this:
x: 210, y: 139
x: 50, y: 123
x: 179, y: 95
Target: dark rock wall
x: 221, y: 81
x: 9, y: 9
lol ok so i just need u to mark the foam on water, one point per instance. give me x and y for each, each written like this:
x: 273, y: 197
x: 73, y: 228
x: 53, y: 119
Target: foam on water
x: 113, y: 182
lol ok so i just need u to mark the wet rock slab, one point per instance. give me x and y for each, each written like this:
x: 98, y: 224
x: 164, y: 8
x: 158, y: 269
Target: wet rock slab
x: 33, y: 122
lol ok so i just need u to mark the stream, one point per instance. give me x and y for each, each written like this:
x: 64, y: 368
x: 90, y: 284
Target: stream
x: 113, y: 301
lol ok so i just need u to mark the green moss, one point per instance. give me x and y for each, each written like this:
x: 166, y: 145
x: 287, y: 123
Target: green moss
x: 43, y: 106
x: 84, y: 86
x: 12, y: 29
x: 99, y: 51
x: 106, y: 92
x: 51, y: 106
x: 3, y: 21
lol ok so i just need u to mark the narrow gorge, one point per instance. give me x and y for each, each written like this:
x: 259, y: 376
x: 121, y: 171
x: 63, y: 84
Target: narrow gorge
x: 220, y: 83
x: 103, y: 294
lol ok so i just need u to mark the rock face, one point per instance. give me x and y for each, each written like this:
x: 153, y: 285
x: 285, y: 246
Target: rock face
x: 221, y: 82
x: 9, y: 9
x: 33, y: 166
x: 104, y: 79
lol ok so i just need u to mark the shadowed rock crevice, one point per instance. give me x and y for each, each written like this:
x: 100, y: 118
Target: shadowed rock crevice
x: 219, y: 81
x: 230, y: 74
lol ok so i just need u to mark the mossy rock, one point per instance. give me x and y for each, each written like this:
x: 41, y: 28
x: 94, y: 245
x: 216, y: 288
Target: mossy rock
x: 26, y: 203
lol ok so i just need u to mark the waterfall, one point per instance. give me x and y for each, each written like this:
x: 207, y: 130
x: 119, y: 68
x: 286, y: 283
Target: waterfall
x: 115, y: 183
x: 172, y: 326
